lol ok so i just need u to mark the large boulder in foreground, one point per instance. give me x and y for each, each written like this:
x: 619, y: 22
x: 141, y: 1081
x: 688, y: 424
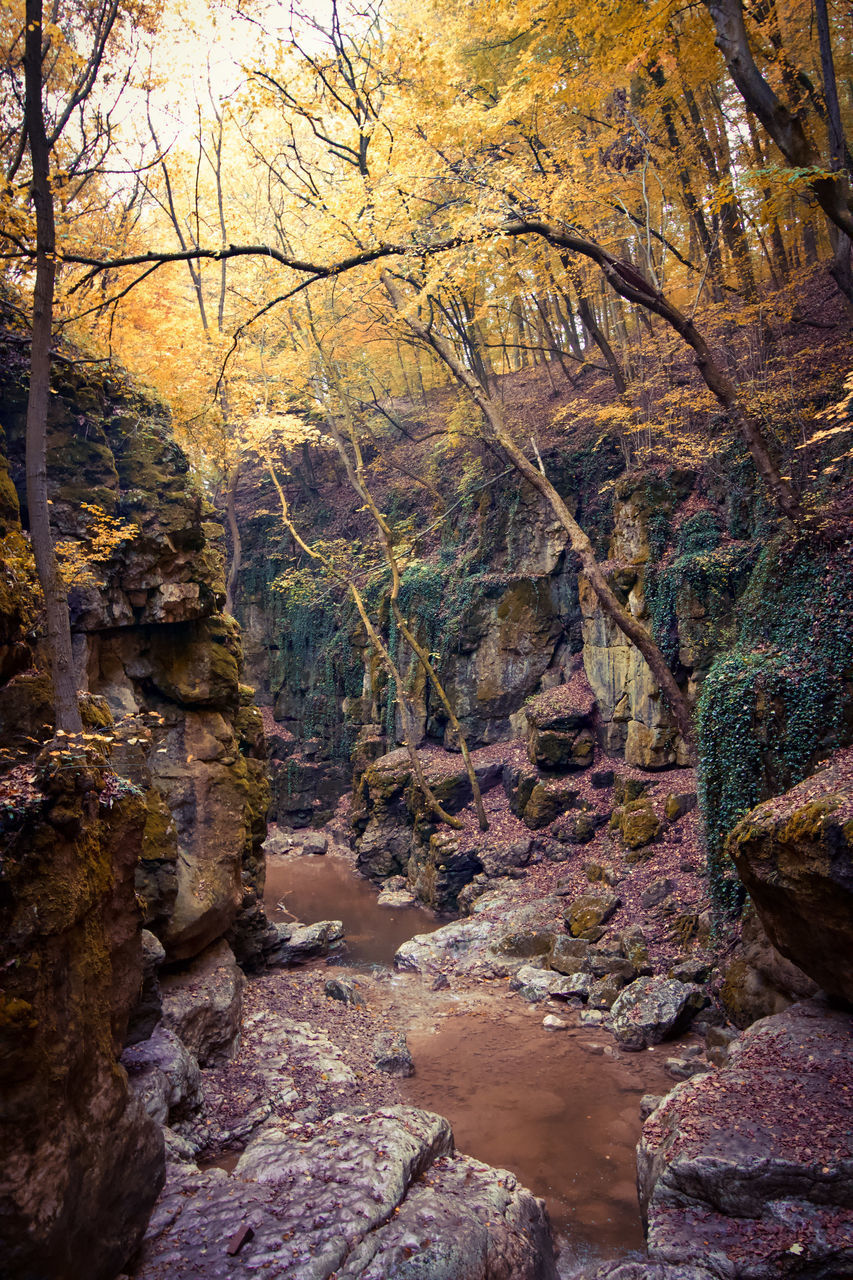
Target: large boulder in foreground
x: 795, y: 855
x: 358, y: 1197
x: 750, y: 1169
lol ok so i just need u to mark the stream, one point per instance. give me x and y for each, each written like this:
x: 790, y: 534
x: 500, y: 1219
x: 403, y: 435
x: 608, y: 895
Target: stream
x: 559, y: 1109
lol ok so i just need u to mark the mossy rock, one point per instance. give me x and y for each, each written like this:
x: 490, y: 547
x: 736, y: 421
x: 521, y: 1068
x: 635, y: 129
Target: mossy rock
x: 547, y: 801
x: 525, y: 945
x: 677, y: 804
x: 591, y: 911
x: 639, y: 825
x: 627, y: 789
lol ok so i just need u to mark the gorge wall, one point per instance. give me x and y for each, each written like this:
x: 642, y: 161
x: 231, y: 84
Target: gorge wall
x: 155, y: 818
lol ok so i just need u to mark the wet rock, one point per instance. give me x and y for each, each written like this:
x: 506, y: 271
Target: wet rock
x: 649, y: 1103
x: 164, y: 1075
x: 795, y: 855
x: 391, y: 1054
x: 203, y: 1003
x: 651, y: 1009
x: 395, y: 898
x: 685, y: 1068
x: 294, y: 943
x: 751, y: 1167
x: 315, y: 842
x: 346, y: 992
x: 362, y: 1197
x: 589, y: 911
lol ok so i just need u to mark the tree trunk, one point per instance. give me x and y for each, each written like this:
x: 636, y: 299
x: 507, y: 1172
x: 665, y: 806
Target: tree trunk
x: 236, y: 542
x: 66, y: 706
x: 580, y: 543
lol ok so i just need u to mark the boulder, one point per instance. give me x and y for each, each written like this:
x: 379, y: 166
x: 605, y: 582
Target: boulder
x: 758, y: 981
x: 359, y: 1197
x: 589, y: 911
x: 396, y: 898
x: 795, y: 855
x: 651, y: 1009
x: 294, y: 943
x: 569, y: 955
x: 638, y: 824
x: 502, y: 860
x: 164, y: 1075
x: 750, y: 1167
x: 203, y: 1003
x: 534, y: 984
x: 346, y: 992
x: 559, y: 726
x: 315, y: 842
x: 678, y: 803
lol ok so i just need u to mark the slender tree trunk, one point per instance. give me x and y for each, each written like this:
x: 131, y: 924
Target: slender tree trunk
x: 580, y: 543
x: 590, y: 323
x: 236, y: 541
x: 66, y: 706
x: 381, y: 649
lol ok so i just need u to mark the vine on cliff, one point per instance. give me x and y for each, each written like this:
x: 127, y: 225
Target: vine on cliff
x: 774, y: 705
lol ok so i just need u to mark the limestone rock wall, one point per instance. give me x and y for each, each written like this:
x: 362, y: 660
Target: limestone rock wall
x: 82, y: 1162
x: 151, y: 641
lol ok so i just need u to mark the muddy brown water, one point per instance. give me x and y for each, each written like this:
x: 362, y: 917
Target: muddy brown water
x: 559, y: 1109
x: 311, y: 888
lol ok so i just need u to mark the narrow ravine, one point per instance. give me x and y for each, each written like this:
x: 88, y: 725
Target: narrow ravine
x: 560, y: 1109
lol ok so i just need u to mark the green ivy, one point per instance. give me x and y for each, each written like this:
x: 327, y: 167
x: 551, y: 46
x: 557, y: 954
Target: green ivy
x: 772, y: 706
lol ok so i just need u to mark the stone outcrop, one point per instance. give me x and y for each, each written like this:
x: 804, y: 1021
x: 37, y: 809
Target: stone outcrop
x: 758, y: 980
x: 203, y: 1003
x: 82, y: 1162
x: 795, y: 856
x: 750, y: 1169
x: 360, y: 1197
x: 150, y: 641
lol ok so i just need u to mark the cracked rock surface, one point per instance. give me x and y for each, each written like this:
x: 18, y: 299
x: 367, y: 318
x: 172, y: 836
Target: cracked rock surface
x: 360, y: 1195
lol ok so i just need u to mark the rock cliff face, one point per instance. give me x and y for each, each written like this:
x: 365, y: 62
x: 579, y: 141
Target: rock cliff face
x: 82, y: 1162
x: 155, y: 816
x: 150, y: 640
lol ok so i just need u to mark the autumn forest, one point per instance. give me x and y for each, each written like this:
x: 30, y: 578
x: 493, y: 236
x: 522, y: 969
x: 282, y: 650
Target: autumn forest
x: 425, y: 430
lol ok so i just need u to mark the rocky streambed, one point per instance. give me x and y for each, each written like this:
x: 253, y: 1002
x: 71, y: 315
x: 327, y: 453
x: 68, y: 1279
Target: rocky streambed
x: 321, y: 1135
